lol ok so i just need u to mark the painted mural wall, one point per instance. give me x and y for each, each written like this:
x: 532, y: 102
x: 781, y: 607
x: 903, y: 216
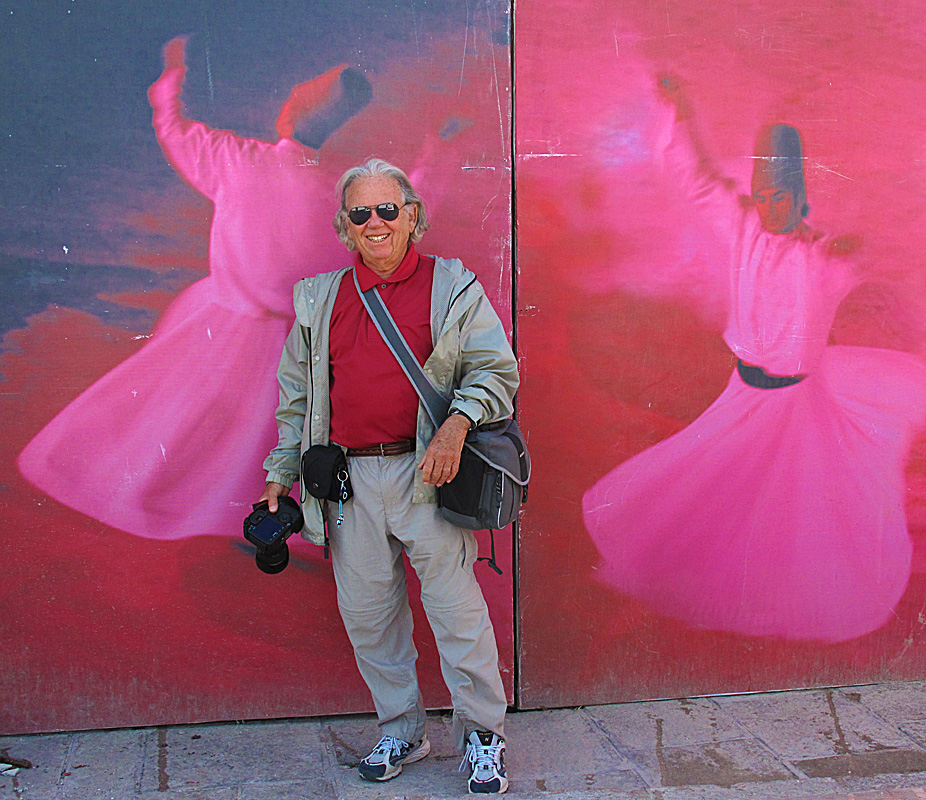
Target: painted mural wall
x: 722, y: 332
x: 146, y: 276
x: 724, y: 391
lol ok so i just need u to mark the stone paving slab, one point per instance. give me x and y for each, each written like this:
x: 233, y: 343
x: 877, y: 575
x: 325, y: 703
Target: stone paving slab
x: 215, y: 756
x: 900, y: 702
x: 882, y: 794
x: 688, y: 743
x: 879, y: 762
x: 212, y: 793
x: 883, y: 783
x: 723, y: 764
x: 564, y: 750
x: 48, y: 754
x: 666, y: 723
x: 801, y: 791
x: 773, y: 790
x: 916, y: 730
x: 813, y: 724
x: 318, y: 789
x: 102, y: 764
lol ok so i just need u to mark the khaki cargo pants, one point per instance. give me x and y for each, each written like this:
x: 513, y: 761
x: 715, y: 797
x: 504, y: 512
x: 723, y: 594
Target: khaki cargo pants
x: 380, y: 521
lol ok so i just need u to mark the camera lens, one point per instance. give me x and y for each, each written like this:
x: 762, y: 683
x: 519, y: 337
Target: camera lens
x: 274, y: 560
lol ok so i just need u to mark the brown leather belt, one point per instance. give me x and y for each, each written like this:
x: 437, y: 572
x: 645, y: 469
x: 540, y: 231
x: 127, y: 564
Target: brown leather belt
x: 388, y: 449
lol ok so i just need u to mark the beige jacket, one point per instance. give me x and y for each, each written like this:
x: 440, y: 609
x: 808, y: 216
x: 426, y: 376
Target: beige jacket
x: 472, y: 365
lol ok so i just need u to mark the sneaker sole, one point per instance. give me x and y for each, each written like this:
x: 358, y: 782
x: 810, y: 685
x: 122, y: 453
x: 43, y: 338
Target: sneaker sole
x: 501, y: 790
x: 415, y: 755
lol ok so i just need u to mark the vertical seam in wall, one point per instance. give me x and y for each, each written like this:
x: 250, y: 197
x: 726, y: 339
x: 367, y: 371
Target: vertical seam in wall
x: 516, y: 527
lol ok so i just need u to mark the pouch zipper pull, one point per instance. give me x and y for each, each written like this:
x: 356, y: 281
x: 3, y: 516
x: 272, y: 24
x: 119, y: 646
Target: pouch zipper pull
x: 342, y: 495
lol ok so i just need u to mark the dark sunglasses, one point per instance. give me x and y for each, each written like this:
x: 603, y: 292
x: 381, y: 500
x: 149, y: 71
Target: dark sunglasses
x: 385, y: 211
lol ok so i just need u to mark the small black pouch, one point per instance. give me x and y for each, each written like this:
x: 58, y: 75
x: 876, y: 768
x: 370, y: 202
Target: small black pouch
x: 324, y: 470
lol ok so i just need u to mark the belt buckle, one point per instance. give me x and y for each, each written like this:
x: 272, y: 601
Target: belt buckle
x: 382, y: 449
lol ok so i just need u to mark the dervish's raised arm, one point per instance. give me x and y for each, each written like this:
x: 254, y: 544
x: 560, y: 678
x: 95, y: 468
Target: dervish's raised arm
x: 688, y: 158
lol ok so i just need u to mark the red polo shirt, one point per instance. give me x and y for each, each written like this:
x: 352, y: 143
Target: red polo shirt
x: 372, y: 402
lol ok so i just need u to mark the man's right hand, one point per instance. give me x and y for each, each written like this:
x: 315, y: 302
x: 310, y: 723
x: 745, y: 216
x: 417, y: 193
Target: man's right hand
x: 272, y: 493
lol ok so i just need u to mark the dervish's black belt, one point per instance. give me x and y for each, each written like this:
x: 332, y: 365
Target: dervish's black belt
x: 760, y: 379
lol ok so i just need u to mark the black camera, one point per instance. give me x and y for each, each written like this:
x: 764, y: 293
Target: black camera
x: 268, y: 532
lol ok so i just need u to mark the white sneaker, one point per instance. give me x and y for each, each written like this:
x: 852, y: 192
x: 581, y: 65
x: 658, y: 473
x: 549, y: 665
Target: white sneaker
x: 389, y: 756
x: 485, y: 753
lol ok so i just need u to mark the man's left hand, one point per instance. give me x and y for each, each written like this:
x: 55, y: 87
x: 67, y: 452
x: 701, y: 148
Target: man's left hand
x: 441, y: 460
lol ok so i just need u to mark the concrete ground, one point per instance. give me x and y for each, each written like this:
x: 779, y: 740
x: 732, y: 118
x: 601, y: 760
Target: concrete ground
x: 866, y: 743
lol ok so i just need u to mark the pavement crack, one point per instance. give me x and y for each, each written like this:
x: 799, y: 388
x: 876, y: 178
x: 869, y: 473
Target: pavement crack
x: 840, y: 745
x: 68, y: 760
x: 163, y: 777
x: 660, y: 750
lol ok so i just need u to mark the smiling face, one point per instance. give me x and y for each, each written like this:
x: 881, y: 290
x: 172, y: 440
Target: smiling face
x: 382, y: 245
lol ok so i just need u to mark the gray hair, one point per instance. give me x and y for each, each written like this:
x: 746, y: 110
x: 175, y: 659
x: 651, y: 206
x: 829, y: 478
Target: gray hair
x: 376, y: 167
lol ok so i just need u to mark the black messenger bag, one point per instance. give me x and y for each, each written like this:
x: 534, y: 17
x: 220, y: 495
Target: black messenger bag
x: 492, y: 482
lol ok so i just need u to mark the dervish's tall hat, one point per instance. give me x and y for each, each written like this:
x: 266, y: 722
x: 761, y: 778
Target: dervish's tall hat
x: 779, y: 163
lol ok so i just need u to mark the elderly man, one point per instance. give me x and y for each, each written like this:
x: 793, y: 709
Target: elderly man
x: 340, y: 383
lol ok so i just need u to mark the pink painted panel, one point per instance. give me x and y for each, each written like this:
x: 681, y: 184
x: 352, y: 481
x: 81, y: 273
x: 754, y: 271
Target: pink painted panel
x: 689, y: 532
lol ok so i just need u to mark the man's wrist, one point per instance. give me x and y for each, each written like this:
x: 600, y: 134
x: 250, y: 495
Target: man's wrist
x: 281, y: 478
x: 457, y: 413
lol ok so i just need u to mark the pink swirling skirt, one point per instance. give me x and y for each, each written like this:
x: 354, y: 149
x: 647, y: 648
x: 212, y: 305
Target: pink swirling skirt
x: 777, y: 512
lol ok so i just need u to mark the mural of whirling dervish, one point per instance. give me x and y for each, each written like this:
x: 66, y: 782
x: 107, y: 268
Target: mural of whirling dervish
x: 170, y: 443
x: 780, y: 510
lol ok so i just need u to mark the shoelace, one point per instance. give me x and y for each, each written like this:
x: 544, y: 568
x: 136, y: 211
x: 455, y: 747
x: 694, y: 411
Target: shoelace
x: 390, y: 745
x: 482, y: 757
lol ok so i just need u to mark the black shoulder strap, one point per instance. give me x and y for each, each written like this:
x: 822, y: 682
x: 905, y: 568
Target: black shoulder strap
x: 434, y: 403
